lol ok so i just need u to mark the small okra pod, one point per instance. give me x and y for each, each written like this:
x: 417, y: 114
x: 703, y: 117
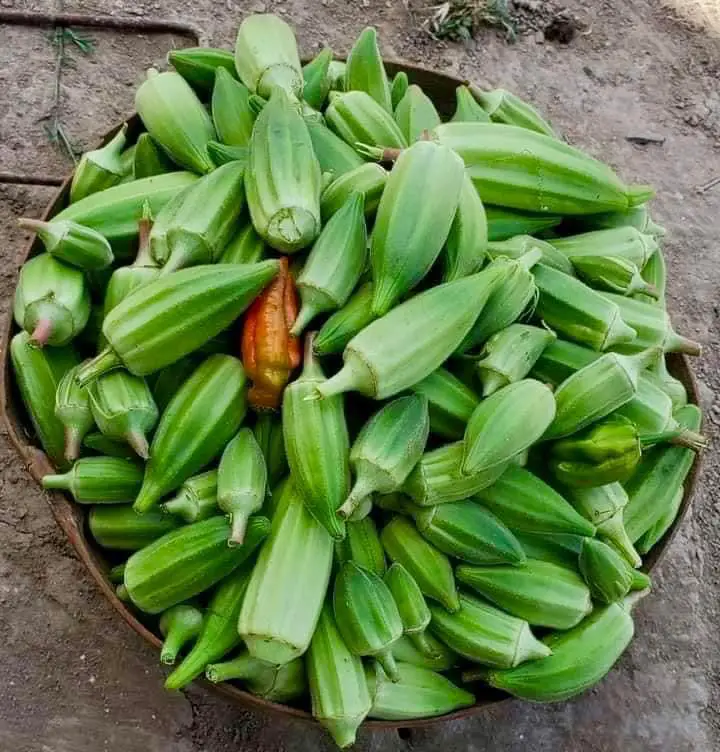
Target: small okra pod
x: 578, y: 312
x: 241, y: 482
x: 100, y: 168
x: 334, y: 265
x: 231, y: 113
x: 52, y: 301
x: 505, y: 424
x: 415, y: 114
x: 413, y: 610
x: 124, y: 409
x: 467, y: 108
x: 510, y: 354
x: 68, y: 241
x: 387, y: 448
x: 178, y: 625
x: 596, y: 390
x: 197, y: 498
x: 367, y: 615
x: 72, y: 409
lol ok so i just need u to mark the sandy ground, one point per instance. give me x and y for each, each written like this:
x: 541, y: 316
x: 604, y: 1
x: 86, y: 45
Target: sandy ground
x: 75, y: 679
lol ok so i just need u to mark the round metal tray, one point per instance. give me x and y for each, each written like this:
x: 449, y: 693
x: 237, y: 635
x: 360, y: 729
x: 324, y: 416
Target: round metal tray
x: 71, y: 517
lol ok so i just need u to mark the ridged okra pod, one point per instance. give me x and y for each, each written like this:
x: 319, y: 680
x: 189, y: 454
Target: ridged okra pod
x: 623, y: 242
x: 573, y: 182
x: 149, y: 159
x: 120, y: 528
x: 503, y: 106
x: 99, y: 480
x: 266, y: 680
x: 206, y: 219
x: 580, y: 658
x: 338, y: 690
x: 269, y: 436
x: 664, y: 522
x: 266, y: 56
x: 317, y: 445
x: 411, y: 605
x: 288, y: 583
x: 661, y: 472
x: 659, y: 375
x: 526, y: 503
x: 518, y: 245
x: 429, y: 567
x: 441, y: 659
x: 653, y: 327
x: 467, y: 108
x: 178, y: 625
x: 100, y: 168
x: 186, y: 562
x: 560, y: 359
x: 412, y: 224
x: 197, y: 498
x: 175, y: 315
x: 231, y: 113
x: 543, y: 594
x: 415, y: 114
x: 398, y: 87
x: 604, y: 506
x: 72, y: 243
x: 466, y: 242
x: 485, y: 634
x: 514, y: 296
x: 221, y: 154
x: 467, y: 531
x: 241, y: 482
x: 637, y: 217
x: 608, y: 575
x: 334, y: 265
x: 245, y: 247
x: 334, y: 155
x: 419, y: 693
x: 613, y: 274
x: 194, y: 429
x: 365, y: 70
x: 596, y: 390
x: 578, y: 312
x: 505, y: 424
x: 450, y: 403
x: 357, y: 118
x: 72, y: 409
x: 52, y: 301
x: 506, y: 224
x: 219, y: 634
x: 162, y: 221
x: 345, y: 323
x: 655, y: 274
x: 510, y: 354
x: 368, y: 180
x: 199, y: 65
x: 124, y: 409
x: 438, y: 478
x: 115, y: 212
x: 387, y: 448
x: 282, y: 180
x: 176, y: 119
x: 366, y: 615
x: 362, y: 546
x: 316, y: 78
x: 413, y: 340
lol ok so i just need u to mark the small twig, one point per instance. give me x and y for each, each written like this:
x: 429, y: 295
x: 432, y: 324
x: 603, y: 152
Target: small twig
x: 60, y: 38
x: 708, y: 186
x: 645, y: 140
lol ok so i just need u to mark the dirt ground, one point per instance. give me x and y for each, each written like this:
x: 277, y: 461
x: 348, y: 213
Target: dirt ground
x: 75, y: 679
